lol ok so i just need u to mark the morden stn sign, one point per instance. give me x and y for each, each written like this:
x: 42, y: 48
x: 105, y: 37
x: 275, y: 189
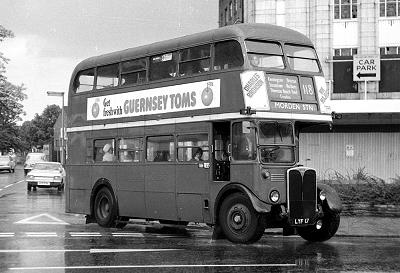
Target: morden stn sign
x: 366, y: 68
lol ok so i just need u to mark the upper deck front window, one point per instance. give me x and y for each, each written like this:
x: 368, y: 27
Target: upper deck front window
x: 265, y: 54
x: 302, y: 58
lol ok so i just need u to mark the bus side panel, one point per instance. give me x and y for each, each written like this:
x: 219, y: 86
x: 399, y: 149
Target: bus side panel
x: 130, y: 190
x: 160, y: 191
x: 191, y: 182
x: 243, y: 173
x: 78, y: 189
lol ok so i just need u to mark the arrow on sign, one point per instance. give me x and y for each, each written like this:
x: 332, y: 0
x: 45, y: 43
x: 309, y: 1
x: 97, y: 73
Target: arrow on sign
x: 359, y: 75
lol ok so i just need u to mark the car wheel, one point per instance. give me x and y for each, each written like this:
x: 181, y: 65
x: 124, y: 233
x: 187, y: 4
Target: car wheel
x: 239, y: 221
x: 60, y: 187
x: 34, y: 188
x: 29, y: 187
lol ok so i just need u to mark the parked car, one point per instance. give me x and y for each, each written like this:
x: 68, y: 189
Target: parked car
x: 46, y: 175
x: 7, y: 162
x: 31, y: 159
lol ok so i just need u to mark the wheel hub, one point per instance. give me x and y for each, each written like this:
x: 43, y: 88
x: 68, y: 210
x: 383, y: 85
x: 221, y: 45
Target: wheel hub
x: 238, y: 217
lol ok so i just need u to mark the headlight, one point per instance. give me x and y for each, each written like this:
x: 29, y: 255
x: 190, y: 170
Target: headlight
x: 57, y: 177
x: 31, y: 177
x: 274, y: 196
x: 265, y: 174
x: 322, y: 196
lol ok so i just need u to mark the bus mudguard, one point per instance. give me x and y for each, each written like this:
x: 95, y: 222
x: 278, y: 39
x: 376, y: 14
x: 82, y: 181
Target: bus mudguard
x: 332, y: 197
x: 258, y: 205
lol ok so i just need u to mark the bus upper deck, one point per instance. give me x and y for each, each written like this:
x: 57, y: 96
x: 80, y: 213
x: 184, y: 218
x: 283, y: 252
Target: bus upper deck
x: 212, y: 75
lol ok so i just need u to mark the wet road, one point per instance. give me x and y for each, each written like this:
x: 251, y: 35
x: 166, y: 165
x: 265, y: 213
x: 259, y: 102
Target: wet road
x: 37, y: 236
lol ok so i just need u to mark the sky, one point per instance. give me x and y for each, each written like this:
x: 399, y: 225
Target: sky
x: 53, y: 36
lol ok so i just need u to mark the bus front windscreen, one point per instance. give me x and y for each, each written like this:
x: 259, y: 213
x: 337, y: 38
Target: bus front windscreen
x: 302, y: 58
x: 276, y: 142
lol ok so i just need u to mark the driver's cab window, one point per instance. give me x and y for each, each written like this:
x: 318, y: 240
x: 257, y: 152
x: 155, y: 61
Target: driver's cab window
x: 243, y: 141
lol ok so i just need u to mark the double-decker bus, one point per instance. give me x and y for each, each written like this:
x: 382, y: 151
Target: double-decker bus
x: 203, y: 128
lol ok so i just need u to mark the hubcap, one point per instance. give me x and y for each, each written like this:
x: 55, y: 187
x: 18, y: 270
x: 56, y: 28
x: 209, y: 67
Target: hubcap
x: 104, y: 208
x: 238, y: 217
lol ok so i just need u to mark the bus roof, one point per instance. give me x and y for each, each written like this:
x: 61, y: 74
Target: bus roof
x: 245, y: 31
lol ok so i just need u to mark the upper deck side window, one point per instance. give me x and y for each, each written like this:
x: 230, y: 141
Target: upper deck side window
x: 195, y: 60
x: 265, y: 54
x: 302, y: 58
x: 227, y: 54
x: 107, y: 76
x: 84, y: 81
x: 133, y: 71
x: 163, y: 66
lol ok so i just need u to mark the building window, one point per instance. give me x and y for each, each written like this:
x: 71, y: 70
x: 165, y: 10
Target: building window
x: 345, y: 51
x: 389, y: 8
x: 389, y: 50
x: 345, y: 9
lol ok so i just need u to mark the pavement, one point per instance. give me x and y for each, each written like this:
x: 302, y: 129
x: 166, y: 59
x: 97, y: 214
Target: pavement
x: 369, y: 226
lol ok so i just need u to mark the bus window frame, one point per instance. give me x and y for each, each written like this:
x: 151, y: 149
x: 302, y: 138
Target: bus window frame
x: 172, y: 158
x: 177, y: 147
x: 293, y: 145
x: 141, y: 151
x: 287, y: 57
x: 113, y: 146
x: 107, y: 87
x: 147, y: 64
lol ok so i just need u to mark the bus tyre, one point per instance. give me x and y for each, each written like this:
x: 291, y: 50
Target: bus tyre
x: 239, y: 221
x: 105, y: 208
x: 330, y: 224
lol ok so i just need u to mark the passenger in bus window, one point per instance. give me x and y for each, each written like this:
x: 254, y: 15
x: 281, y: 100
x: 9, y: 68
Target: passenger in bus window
x: 108, y: 153
x: 198, y: 155
x: 254, y: 60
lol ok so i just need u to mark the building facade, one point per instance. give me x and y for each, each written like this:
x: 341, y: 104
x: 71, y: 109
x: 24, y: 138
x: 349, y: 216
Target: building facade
x: 367, y: 137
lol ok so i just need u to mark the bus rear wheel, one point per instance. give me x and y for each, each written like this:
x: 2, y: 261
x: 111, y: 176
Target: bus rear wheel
x: 239, y: 221
x: 105, y: 209
x: 324, y: 228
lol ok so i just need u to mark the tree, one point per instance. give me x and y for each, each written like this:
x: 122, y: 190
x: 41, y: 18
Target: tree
x: 39, y: 131
x: 11, y: 108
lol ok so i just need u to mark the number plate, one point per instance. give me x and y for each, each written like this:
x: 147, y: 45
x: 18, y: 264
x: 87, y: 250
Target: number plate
x: 44, y: 183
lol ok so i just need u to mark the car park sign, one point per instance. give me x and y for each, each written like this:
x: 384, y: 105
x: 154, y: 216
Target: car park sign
x: 366, y: 68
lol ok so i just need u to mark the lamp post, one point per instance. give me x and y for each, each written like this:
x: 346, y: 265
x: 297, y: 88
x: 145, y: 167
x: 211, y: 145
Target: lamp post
x: 60, y: 94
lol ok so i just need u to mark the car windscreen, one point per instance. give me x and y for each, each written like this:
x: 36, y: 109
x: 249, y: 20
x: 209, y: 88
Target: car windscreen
x: 35, y: 157
x: 40, y: 166
x: 4, y: 159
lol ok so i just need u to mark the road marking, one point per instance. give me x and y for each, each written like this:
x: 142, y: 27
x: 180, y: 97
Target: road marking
x: 34, y: 220
x: 85, y: 234
x: 92, y: 250
x: 41, y: 234
x: 127, y: 234
x: 7, y: 234
x: 150, y: 266
x: 111, y: 250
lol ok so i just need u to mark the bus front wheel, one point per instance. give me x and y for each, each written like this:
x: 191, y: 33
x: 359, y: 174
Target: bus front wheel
x: 239, y: 221
x: 105, y: 208
x: 325, y: 228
